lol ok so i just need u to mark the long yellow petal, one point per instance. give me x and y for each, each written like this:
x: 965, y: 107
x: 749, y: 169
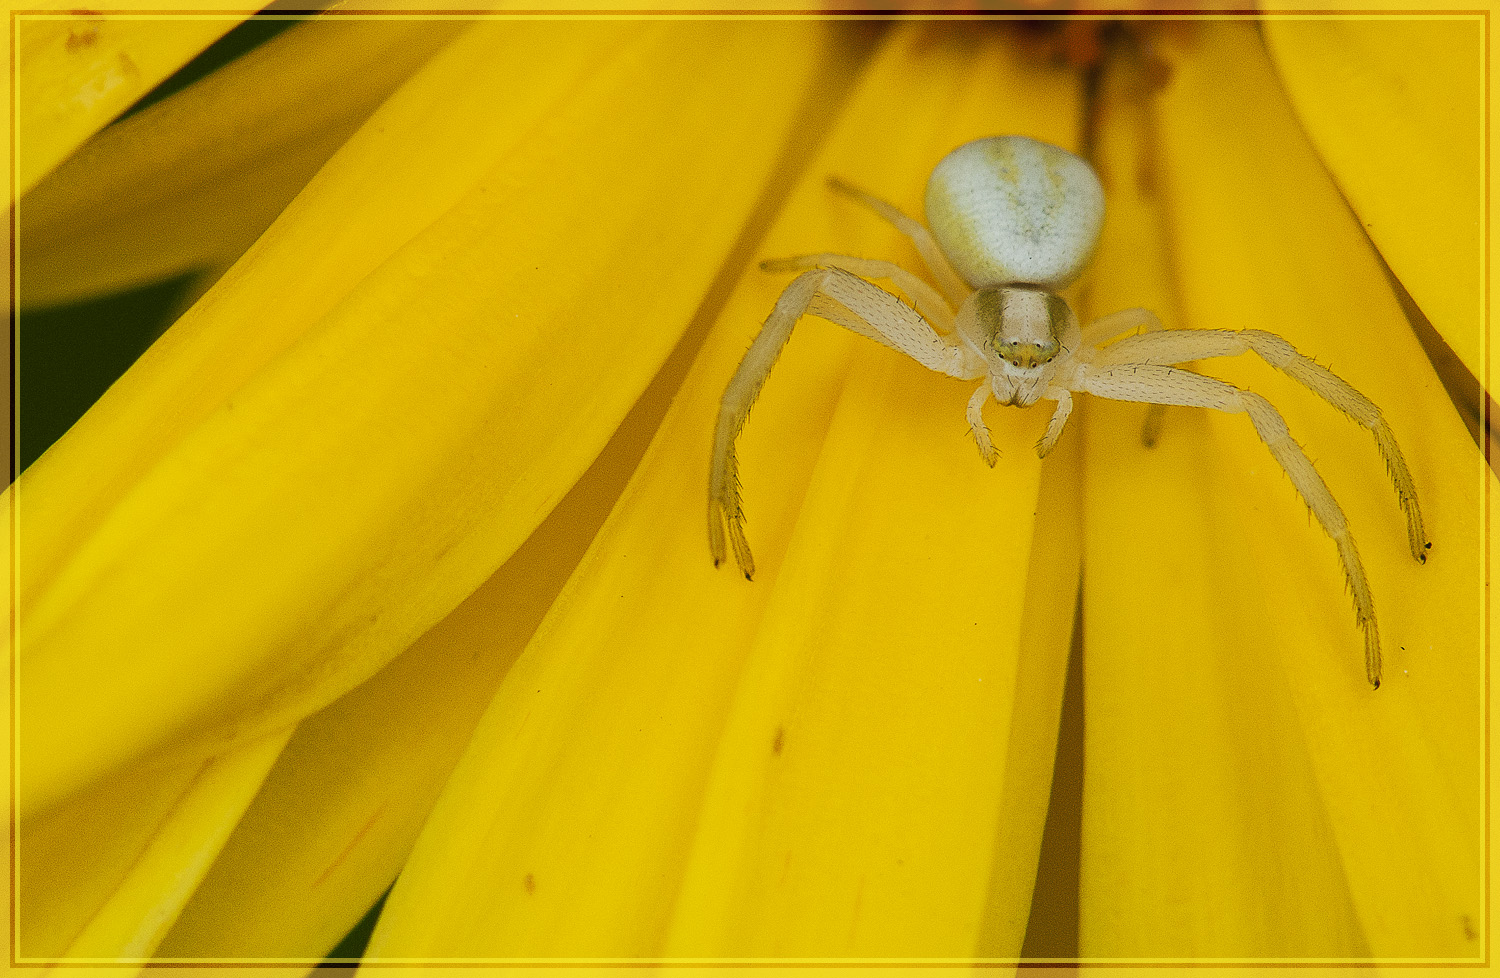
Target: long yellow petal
x: 58, y: 894
x: 191, y: 181
x: 340, y: 811
x: 309, y: 496
x: 1045, y: 641
x: 866, y: 676
x: 853, y: 804
x: 1177, y: 713
x: 1237, y: 759
x: 1393, y: 106
x: 78, y: 70
x: 343, y: 228
x: 104, y: 875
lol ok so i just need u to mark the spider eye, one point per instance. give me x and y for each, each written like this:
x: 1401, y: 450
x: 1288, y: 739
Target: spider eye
x: 1027, y: 355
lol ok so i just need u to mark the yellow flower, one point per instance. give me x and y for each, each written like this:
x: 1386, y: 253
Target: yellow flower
x: 366, y: 567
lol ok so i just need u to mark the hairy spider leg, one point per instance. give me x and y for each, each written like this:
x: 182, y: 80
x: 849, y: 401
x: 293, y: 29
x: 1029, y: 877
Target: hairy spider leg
x: 1175, y: 346
x: 1107, y: 328
x: 929, y: 302
x: 948, y: 280
x: 1153, y: 383
x: 841, y: 298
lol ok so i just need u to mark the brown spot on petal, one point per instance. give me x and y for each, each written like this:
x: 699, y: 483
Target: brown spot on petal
x: 339, y: 859
x: 529, y: 882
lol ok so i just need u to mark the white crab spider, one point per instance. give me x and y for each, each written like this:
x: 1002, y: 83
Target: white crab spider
x: 1014, y: 220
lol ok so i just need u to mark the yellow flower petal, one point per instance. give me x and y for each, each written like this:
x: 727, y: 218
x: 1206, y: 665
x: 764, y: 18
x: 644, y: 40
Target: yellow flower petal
x: 79, y: 70
x: 1236, y: 759
x: 339, y: 813
x: 853, y: 802
x: 882, y: 782
x: 104, y: 875
x: 1393, y: 106
x: 1045, y: 642
x: 343, y: 228
x: 255, y: 520
x: 193, y: 180
x: 1177, y: 708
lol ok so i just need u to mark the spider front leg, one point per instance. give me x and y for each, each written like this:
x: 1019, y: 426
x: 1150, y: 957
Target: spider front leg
x: 1177, y: 346
x: 839, y: 297
x: 1155, y: 384
x: 1107, y: 328
x: 929, y: 303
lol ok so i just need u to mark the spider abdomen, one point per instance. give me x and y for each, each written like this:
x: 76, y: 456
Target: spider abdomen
x: 1010, y: 209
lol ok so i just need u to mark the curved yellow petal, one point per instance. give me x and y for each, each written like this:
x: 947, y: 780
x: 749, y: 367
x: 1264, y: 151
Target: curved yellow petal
x: 435, y: 140
x: 326, y: 465
x: 78, y: 70
x: 1176, y: 861
x: 1032, y: 742
x: 856, y: 798
x: 815, y: 763
x: 1247, y: 795
x: 57, y: 894
x: 191, y: 181
x: 1394, y: 107
x: 341, y: 809
x: 103, y: 876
